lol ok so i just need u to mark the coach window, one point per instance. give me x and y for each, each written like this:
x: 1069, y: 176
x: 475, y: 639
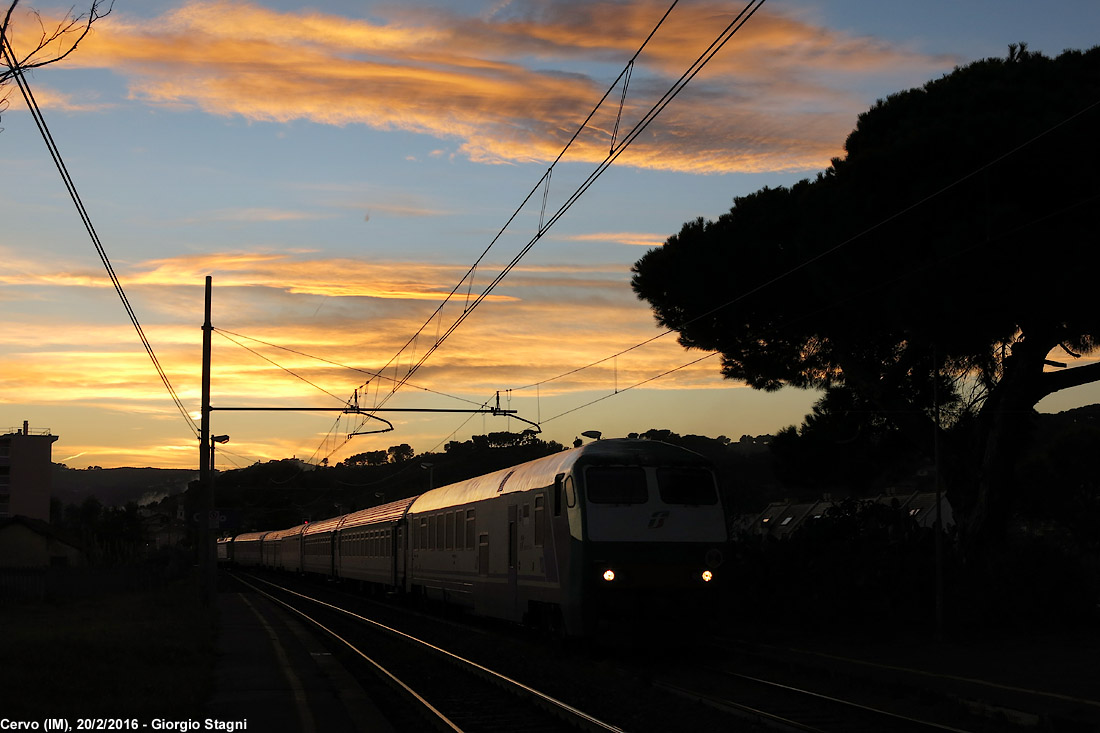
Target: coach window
x: 450, y: 517
x: 557, y: 494
x: 540, y: 512
x: 483, y: 553
x: 570, y: 493
x: 470, y: 525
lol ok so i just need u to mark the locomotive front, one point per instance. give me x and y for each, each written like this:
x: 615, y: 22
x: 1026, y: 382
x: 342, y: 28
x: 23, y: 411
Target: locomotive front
x: 654, y: 534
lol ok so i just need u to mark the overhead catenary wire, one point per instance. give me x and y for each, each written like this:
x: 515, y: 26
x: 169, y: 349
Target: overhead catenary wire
x: 10, y: 59
x: 848, y: 297
x: 291, y: 372
x: 616, y: 150
x: 639, y: 127
x: 901, y: 212
x: 227, y: 334
x: 543, y: 182
x: 543, y: 225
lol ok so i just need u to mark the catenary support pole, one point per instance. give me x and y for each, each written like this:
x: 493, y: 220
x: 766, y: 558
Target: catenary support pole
x: 205, y: 539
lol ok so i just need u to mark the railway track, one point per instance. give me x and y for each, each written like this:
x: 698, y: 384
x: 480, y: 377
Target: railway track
x: 671, y: 692
x: 782, y: 706
x: 451, y: 692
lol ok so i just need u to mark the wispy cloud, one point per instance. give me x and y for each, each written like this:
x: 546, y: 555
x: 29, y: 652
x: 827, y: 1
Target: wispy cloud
x: 259, y: 214
x: 372, y: 308
x: 85, y: 102
x: 488, y: 83
x: 637, y: 239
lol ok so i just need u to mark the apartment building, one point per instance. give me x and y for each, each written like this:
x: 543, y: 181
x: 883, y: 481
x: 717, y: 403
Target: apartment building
x: 26, y: 478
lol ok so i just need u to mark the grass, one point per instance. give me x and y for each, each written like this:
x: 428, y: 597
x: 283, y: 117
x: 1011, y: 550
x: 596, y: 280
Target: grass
x: 129, y: 655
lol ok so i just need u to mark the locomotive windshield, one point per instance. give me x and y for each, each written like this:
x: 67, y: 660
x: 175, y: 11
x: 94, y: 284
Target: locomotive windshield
x: 686, y: 485
x: 675, y: 502
x: 616, y: 485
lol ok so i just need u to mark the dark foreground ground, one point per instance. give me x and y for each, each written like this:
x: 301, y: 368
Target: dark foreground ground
x: 152, y: 654
x: 140, y: 654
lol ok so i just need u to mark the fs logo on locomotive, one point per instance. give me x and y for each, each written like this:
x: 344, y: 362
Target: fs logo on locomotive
x: 657, y: 519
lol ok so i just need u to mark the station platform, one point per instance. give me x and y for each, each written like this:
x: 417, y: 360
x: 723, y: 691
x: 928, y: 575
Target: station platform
x: 273, y: 675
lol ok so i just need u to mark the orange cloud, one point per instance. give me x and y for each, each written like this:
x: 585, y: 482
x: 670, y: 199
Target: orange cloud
x: 504, y: 344
x: 764, y: 103
x: 637, y: 239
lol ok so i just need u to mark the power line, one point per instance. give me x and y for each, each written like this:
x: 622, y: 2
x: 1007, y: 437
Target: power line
x: 616, y: 151
x: 544, y: 225
x: 277, y: 365
x: 70, y: 185
x: 618, y: 392
x: 368, y: 372
x: 901, y: 212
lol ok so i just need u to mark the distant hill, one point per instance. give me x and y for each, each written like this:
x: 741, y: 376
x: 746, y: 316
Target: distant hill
x: 1087, y: 415
x: 117, y: 486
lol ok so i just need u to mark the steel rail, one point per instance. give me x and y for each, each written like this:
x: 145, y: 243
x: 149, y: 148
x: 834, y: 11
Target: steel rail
x: 443, y: 719
x: 765, y: 715
x: 571, y: 714
x: 847, y: 703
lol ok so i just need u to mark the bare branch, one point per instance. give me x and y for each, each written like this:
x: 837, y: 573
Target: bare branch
x: 63, y: 38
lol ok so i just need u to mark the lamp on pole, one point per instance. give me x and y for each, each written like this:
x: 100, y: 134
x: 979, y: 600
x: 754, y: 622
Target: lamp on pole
x: 430, y: 468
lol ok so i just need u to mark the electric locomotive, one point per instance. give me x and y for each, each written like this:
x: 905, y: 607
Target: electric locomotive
x: 611, y: 531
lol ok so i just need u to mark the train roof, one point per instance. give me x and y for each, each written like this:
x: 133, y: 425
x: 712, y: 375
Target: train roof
x: 279, y: 534
x: 390, y: 512
x: 252, y: 536
x: 540, y: 472
x: 323, y: 525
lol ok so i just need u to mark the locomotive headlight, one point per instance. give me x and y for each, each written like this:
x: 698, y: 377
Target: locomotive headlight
x: 707, y: 576
x: 609, y: 575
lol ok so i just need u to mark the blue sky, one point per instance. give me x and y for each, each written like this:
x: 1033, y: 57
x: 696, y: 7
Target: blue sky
x: 337, y: 169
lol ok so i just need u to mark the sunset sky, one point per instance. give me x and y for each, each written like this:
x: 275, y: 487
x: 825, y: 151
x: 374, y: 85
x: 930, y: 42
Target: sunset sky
x: 338, y: 168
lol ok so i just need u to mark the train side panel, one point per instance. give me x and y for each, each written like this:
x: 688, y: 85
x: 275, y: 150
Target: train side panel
x: 247, y: 549
x: 319, y: 547
x: 283, y: 549
x: 368, y: 544
x: 500, y: 553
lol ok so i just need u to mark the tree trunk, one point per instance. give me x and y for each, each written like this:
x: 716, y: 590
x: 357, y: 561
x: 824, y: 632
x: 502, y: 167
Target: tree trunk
x: 1004, y: 427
